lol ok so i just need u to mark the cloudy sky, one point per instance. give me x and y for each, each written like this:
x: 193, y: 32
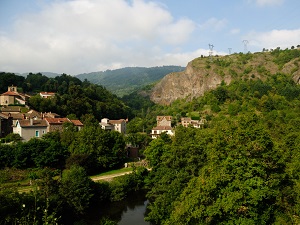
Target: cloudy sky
x: 81, y: 36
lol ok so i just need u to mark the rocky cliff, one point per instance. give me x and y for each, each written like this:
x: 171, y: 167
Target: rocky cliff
x: 204, y: 74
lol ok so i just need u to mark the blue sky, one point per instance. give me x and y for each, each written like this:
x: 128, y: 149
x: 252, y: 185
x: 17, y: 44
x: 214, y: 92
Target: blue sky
x: 81, y: 36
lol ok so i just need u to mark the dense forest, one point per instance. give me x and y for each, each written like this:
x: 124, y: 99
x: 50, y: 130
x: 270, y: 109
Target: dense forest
x: 243, y: 167
x: 73, y: 96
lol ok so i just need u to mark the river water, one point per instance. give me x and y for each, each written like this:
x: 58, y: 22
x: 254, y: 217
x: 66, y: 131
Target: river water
x: 130, y: 211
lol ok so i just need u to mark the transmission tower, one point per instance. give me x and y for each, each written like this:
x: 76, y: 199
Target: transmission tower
x: 229, y: 50
x: 245, y: 46
x: 211, y: 47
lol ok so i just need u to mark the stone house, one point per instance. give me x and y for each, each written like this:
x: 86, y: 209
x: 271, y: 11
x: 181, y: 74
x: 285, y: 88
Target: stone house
x: 56, y: 124
x: 187, y: 121
x: 12, y: 96
x: 163, y: 125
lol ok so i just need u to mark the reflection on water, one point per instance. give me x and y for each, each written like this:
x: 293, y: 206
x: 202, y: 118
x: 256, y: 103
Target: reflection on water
x: 130, y: 211
x: 135, y: 215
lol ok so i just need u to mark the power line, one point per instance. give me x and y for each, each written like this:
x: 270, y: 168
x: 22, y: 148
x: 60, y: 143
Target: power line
x: 211, y: 47
x: 245, y: 46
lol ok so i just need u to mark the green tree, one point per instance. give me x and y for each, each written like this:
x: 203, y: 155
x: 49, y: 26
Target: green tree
x: 76, y: 189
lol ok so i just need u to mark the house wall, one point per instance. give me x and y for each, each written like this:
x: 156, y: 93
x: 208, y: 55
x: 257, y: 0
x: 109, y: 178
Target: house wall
x: 30, y: 132
x: 56, y: 127
x: 7, y: 100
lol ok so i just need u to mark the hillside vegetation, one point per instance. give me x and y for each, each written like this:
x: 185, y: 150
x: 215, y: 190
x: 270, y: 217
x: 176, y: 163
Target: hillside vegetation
x: 243, y: 167
x: 126, y: 80
x: 204, y: 74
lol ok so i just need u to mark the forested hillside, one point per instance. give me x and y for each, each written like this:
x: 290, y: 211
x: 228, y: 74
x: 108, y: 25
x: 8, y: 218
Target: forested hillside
x: 73, y: 96
x: 126, y: 80
x: 243, y: 168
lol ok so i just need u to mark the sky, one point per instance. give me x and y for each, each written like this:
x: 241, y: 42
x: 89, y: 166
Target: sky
x: 82, y: 36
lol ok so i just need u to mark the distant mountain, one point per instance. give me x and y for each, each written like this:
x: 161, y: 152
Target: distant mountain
x: 126, y: 80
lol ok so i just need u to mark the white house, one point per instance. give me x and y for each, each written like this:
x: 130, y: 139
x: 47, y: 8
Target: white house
x: 117, y: 125
x: 30, y: 128
x: 163, y: 125
x: 156, y: 131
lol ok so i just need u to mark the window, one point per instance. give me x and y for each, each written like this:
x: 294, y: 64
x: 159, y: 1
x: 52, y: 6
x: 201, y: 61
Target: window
x: 37, y: 133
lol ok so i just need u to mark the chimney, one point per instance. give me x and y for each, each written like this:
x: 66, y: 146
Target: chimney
x: 31, y: 121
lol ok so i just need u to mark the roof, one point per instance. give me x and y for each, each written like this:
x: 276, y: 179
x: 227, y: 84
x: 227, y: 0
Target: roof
x: 47, y: 93
x: 57, y: 121
x: 36, y: 123
x: 4, y: 116
x: 162, y: 128
x: 106, y: 124
x: 10, y: 109
x: 11, y: 93
x: 77, y: 122
x: 117, y: 121
x: 159, y: 118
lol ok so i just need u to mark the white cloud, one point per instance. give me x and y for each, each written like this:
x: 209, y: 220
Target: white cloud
x: 235, y: 31
x: 274, y: 39
x: 82, y: 36
x: 213, y: 24
x: 262, y: 3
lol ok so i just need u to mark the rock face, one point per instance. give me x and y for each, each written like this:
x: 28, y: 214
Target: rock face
x: 204, y: 74
x: 193, y: 82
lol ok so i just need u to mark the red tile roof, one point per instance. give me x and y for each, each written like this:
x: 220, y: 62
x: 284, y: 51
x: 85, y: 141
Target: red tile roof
x: 57, y: 120
x: 77, y: 122
x: 11, y: 93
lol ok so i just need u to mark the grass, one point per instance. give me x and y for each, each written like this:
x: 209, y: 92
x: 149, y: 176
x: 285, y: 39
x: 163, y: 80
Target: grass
x: 112, y: 172
x: 23, y: 185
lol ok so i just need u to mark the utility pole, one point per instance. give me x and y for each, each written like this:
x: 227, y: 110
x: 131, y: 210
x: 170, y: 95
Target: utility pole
x: 210, y: 51
x: 229, y: 50
x: 245, y: 46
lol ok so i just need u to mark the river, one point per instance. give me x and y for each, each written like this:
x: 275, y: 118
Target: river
x: 129, y: 211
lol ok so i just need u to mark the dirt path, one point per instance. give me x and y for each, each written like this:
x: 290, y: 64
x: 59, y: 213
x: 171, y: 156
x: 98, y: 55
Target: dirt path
x: 109, y: 177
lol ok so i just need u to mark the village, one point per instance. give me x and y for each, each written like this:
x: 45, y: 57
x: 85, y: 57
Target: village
x: 17, y: 117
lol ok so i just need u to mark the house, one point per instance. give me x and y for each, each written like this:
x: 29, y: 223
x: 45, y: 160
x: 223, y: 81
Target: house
x: 187, y: 121
x: 164, y: 120
x: 12, y: 96
x: 163, y: 126
x: 158, y: 130
x: 47, y: 94
x: 56, y: 124
x: 117, y: 125
x: 30, y: 128
x: 17, y: 115
x: 5, y: 125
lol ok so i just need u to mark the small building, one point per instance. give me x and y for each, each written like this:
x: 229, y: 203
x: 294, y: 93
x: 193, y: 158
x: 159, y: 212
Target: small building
x: 157, y: 131
x: 56, y: 124
x: 12, y: 96
x: 163, y: 125
x: 47, y: 94
x: 117, y: 125
x: 187, y: 121
x: 164, y: 120
x: 30, y: 128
